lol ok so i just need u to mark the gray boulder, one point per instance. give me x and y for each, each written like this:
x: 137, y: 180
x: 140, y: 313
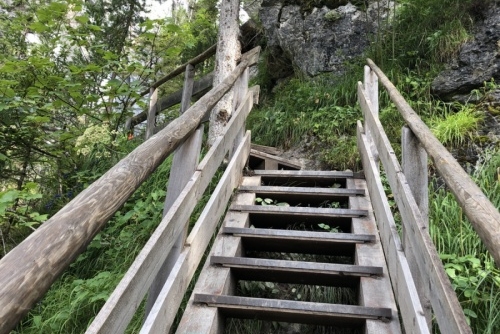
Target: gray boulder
x: 323, y: 39
x: 478, y: 61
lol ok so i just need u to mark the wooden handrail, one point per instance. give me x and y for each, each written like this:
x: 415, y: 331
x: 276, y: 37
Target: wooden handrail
x: 28, y: 271
x: 200, y: 86
x: 179, y: 70
x: 483, y: 216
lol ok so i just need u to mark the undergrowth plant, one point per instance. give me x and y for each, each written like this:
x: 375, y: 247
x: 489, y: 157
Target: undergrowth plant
x: 456, y: 128
x: 469, y: 266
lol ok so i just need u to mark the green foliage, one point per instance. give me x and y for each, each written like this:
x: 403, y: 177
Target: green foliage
x: 469, y: 266
x: 457, y: 128
x: 311, y: 110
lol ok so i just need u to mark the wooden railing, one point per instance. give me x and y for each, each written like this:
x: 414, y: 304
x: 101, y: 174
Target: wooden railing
x: 28, y: 271
x: 417, y: 274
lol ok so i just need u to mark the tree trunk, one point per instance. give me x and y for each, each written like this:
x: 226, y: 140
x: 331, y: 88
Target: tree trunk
x: 228, y: 53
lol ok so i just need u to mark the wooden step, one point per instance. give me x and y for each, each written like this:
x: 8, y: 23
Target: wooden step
x: 290, y: 241
x: 304, y: 196
x: 299, y: 211
x: 298, y: 272
x: 293, y: 311
x: 305, y: 178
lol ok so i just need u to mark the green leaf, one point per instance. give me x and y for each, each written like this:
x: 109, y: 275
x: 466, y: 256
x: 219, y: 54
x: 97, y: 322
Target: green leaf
x: 94, y: 27
x: 451, y: 272
x: 83, y: 19
x: 9, y: 196
x: 470, y: 313
x: 38, y: 27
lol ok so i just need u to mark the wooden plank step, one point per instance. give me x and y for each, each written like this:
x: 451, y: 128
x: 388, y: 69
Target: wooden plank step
x: 308, y: 211
x: 304, y: 191
x: 262, y: 233
x: 306, y: 196
x: 309, y: 174
x: 296, y: 272
x: 293, y: 311
x: 305, y: 178
x: 273, y: 161
x: 291, y: 241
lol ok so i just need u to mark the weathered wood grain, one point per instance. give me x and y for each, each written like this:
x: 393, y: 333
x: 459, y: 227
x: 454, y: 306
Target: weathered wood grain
x: 216, y: 280
x: 28, y: 271
x: 482, y: 214
x: 292, y: 267
x: 150, y: 125
x: 305, y: 191
x: 162, y: 314
x: 372, y: 292
x: 319, y: 212
x: 293, y: 311
x: 299, y: 235
x: 266, y: 149
x: 277, y: 160
x: 444, y: 302
x: 414, y: 165
x: 186, y: 158
x: 401, y: 277
x: 446, y: 307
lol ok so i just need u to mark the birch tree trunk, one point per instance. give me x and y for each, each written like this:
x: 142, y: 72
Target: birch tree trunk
x: 228, y: 52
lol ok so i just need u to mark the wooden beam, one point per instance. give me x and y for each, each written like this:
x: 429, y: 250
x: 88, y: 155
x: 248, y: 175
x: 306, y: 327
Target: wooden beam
x: 184, y: 163
x: 170, y: 298
x: 299, y: 235
x: 151, y: 123
x: 277, y: 160
x: 372, y: 292
x: 444, y: 301
x: 308, y: 173
x: 170, y: 100
x: 482, y: 214
x: 216, y: 280
x: 293, y: 311
x: 319, y: 212
x: 414, y: 165
x: 266, y: 149
x: 296, y: 266
x: 196, y: 60
x: 401, y: 277
x: 304, y: 191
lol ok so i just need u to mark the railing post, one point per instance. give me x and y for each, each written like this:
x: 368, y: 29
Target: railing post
x: 414, y: 165
x: 183, y: 166
x: 370, y: 85
x: 150, y: 125
x: 240, y: 91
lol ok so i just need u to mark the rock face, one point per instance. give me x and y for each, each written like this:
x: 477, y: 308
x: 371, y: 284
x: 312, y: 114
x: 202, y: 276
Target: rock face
x: 477, y: 62
x: 322, y: 39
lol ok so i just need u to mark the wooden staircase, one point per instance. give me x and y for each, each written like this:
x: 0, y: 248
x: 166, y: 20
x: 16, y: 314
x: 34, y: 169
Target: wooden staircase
x: 277, y: 263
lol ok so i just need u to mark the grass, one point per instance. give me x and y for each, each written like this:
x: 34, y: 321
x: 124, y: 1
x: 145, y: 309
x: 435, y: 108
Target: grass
x: 456, y: 128
x: 469, y: 266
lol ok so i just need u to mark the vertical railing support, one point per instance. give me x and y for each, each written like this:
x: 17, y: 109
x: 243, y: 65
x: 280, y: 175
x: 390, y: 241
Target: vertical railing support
x: 150, y: 125
x: 414, y: 165
x: 240, y: 91
x: 370, y: 86
x: 183, y: 166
